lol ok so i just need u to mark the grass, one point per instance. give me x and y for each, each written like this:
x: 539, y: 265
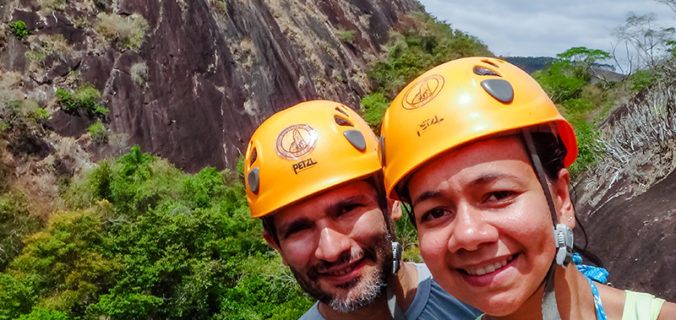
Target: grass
x: 125, y: 33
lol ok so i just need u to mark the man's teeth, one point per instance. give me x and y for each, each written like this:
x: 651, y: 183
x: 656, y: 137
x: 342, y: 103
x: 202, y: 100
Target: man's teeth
x: 340, y: 272
x: 479, y: 271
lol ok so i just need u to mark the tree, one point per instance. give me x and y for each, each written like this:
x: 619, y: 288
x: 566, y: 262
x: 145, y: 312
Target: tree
x: 644, y: 42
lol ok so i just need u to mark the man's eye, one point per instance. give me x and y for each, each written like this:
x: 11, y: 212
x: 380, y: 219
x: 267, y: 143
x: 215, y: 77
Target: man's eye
x: 348, y: 207
x: 296, y: 229
x: 434, y: 214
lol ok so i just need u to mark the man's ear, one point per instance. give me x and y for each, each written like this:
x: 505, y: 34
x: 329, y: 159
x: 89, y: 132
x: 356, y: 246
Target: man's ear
x: 272, y: 243
x: 564, y: 203
x: 395, y: 211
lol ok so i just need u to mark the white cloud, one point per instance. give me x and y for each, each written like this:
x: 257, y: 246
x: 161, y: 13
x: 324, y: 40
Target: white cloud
x: 544, y: 28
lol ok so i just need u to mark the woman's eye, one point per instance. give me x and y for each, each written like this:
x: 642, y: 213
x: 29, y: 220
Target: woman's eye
x: 434, y: 214
x: 498, y: 196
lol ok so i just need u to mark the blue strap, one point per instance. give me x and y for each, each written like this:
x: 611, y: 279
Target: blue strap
x: 596, y: 274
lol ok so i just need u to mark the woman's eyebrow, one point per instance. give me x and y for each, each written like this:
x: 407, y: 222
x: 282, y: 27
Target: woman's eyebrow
x: 477, y: 182
x: 426, y: 195
x: 490, y: 178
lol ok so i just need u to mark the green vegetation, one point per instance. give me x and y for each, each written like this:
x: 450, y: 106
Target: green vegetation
x: 19, y: 29
x: 124, y: 32
x: 425, y: 44
x: 139, y: 73
x: 220, y: 6
x: 86, y: 98
x: 39, y: 114
x: 98, y: 132
x: 346, y: 36
x: 642, y: 79
x: 15, y: 223
x: 568, y: 80
x: 21, y: 114
x: 139, y: 239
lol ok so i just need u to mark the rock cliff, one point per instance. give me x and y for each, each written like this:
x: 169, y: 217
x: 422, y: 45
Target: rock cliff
x: 190, y: 80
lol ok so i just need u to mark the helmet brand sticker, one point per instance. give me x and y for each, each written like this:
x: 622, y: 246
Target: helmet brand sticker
x: 422, y: 91
x: 296, y: 141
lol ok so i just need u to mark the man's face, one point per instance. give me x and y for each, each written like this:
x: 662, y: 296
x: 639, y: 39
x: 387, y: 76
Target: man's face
x: 337, y: 245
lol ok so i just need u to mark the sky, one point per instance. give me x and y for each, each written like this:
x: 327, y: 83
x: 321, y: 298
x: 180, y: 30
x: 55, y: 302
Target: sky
x: 544, y: 28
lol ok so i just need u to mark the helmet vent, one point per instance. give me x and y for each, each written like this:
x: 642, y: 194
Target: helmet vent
x: 499, y: 89
x: 253, y: 180
x: 339, y: 109
x: 483, y: 71
x: 490, y: 62
x: 356, y: 139
x: 254, y: 156
x: 342, y: 121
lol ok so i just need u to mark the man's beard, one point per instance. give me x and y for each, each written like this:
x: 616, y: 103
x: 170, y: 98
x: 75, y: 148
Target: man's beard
x: 361, y: 291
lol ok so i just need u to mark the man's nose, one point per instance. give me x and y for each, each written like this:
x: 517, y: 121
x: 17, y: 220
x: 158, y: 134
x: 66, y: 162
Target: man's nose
x: 331, y: 244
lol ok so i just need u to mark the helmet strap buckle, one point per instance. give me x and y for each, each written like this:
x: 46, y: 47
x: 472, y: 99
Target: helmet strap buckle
x: 563, y: 240
x: 396, y: 256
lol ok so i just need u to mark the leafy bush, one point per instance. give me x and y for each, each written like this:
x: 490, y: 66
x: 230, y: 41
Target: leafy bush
x: 19, y: 29
x: 39, y: 114
x: 373, y: 108
x: 346, y: 36
x: 126, y: 33
x: 145, y: 241
x: 139, y: 73
x: 86, y: 98
x: 97, y: 131
x: 424, y: 45
x: 16, y: 222
x: 642, y: 79
x: 587, y: 144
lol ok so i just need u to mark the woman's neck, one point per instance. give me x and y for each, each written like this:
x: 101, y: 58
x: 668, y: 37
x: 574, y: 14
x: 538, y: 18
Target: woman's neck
x: 574, y: 299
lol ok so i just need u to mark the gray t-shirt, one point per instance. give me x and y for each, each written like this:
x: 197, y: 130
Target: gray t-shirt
x: 430, y: 302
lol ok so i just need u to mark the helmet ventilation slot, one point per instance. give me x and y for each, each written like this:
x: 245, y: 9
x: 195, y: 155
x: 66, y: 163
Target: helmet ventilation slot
x: 490, y: 62
x: 341, y: 121
x: 254, y: 156
x: 340, y: 109
x: 483, y: 71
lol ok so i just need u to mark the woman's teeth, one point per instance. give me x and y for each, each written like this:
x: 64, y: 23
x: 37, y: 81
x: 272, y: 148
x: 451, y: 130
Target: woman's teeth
x: 479, y: 271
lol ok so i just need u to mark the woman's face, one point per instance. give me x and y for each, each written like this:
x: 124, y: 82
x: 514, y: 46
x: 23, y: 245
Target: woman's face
x: 484, y: 227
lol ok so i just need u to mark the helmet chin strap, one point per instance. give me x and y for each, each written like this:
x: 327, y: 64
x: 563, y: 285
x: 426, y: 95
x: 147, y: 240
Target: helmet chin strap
x: 395, y: 311
x: 563, y: 235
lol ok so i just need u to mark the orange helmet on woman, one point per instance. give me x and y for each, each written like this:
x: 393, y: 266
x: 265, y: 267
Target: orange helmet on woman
x: 305, y: 149
x: 458, y: 102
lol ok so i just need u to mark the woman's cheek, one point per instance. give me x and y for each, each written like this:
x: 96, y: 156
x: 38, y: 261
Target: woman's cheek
x: 433, y: 245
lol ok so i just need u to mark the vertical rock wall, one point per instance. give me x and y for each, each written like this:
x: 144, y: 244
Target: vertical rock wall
x: 212, y: 69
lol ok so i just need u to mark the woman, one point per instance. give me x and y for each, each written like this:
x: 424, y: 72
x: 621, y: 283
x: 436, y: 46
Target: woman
x: 480, y: 152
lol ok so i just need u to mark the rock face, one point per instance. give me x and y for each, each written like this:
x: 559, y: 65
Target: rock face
x: 627, y: 201
x: 204, y: 73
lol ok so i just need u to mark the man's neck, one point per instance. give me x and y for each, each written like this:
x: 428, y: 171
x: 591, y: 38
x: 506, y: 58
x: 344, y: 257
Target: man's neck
x: 403, y: 285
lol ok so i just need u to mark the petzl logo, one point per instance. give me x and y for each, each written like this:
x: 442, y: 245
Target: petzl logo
x: 296, y: 141
x: 422, y: 92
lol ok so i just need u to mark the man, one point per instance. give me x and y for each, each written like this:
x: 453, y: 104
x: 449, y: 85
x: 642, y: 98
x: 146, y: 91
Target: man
x: 313, y: 176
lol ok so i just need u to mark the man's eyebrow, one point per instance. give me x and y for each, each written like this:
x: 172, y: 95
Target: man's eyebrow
x: 480, y: 181
x: 294, y: 225
x: 335, y: 207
